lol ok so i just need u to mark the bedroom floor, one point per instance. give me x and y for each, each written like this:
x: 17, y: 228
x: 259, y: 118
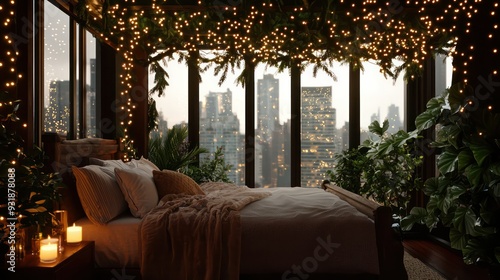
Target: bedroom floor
x: 448, y: 263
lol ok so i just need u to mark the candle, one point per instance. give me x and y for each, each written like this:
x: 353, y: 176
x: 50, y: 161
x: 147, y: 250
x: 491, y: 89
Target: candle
x: 74, y: 234
x: 49, y: 240
x: 48, y: 252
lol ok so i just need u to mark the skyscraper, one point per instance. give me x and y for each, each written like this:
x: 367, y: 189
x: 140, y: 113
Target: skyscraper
x: 57, y: 111
x: 318, y: 134
x: 220, y: 128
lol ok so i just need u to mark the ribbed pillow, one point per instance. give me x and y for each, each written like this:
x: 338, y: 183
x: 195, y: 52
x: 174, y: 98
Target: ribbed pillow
x: 139, y: 190
x: 100, y: 195
x: 173, y: 182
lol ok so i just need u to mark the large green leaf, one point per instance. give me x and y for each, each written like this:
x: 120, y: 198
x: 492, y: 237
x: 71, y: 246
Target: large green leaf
x: 449, y: 134
x: 432, y: 204
x: 458, y: 239
x: 431, y: 186
x: 465, y: 158
x: 481, y: 151
x: 447, y: 161
x: 455, y: 192
x: 425, y: 120
x: 464, y: 220
x: 474, y: 174
x: 375, y: 127
x: 495, y: 168
x: 417, y: 215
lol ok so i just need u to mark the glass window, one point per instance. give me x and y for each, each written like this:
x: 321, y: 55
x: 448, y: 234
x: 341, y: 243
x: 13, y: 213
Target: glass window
x: 272, y: 131
x: 56, y: 70
x: 222, y: 118
x: 172, y: 105
x: 90, y: 80
x: 381, y: 99
x: 324, y: 121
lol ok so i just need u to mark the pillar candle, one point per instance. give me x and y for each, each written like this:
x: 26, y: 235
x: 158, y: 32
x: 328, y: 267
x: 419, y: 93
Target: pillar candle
x: 48, y: 252
x: 74, y: 234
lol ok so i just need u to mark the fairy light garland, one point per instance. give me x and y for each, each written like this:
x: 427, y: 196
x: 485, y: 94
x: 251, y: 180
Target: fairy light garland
x: 8, y: 59
x: 349, y: 33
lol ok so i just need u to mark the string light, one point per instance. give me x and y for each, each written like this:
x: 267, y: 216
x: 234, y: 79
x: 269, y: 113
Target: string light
x: 349, y: 33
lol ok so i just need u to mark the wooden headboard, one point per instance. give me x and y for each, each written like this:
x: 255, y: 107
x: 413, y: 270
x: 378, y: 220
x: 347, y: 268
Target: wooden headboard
x: 64, y: 153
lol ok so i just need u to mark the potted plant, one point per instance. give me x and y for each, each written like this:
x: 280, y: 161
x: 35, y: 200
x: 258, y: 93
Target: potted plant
x: 28, y: 190
x: 465, y: 196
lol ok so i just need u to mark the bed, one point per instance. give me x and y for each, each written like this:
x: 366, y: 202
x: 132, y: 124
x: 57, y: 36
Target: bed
x: 284, y: 233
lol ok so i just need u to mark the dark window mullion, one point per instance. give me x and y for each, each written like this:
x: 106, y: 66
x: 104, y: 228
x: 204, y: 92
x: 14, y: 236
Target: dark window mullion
x: 295, y: 130
x: 82, y: 69
x: 250, y: 124
x: 73, y: 61
x: 354, y: 106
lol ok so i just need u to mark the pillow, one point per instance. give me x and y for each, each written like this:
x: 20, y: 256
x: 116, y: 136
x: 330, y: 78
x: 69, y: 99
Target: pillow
x: 144, y: 164
x: 115, y: 163
x: 173, y: 182
x: 99, y: 193
x: 139, y: 190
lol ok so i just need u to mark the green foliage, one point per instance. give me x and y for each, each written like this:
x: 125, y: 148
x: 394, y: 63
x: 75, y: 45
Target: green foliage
x: 382, y: 169
x: 211, y: 169
x: 465, y: 196
x: 389, y: 176
x: 172, y: 151
x: 348, y: 170
x: 28, y: 190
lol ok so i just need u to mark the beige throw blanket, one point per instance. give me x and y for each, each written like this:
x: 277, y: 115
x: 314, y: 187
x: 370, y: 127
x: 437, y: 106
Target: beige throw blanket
x: 195, y: 237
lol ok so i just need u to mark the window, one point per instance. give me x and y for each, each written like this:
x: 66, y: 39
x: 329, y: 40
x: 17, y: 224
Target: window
x: 324, y: 121
x: 272, y: 131
x: 381, y: 99
x: 56, y: 70
x: 222, y: 120
x: 91, y: 85
x: 172, y: 105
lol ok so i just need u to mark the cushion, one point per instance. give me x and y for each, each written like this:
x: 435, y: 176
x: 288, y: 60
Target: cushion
x: 100, y: 195
x: 173, y: 182
x: 144, y: 164
x: 139, y: 190
x: 114, y: 163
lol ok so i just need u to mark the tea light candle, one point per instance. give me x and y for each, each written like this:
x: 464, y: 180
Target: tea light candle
x: 48, y: 252
x: 74, y: 234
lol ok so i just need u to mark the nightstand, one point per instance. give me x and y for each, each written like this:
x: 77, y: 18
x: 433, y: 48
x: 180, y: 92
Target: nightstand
x: 76, y: 262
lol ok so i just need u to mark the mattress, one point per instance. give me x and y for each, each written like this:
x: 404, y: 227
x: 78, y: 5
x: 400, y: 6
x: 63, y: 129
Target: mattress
x: 293, y: 228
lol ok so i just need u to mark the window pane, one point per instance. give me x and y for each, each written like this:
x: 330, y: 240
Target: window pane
x: 56, y: 70
x: 324, y: 123
x: 444, y: 70
x: 90, y: 79
x: 221, y: 120
x: 172, y: 105
x: 272, y: 134
x: 381, y: 99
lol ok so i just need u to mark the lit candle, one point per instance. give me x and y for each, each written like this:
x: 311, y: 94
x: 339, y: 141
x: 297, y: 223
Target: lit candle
x: 49, y: 240
x: 48, y: 252
x: 74, y: 234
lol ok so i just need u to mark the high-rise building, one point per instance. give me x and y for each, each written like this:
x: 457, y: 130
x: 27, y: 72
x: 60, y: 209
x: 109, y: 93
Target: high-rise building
x: 220, y: 128
x: 395, y: 123
x: 318, y: 134
x: 268, y: 107
x: 57, y: 111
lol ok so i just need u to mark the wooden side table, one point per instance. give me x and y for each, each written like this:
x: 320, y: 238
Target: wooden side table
x: 76, y: 262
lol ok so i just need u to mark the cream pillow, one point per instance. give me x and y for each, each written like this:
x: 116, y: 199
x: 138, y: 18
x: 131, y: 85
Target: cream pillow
x: 100, y: 195
x: 139, y: 190
x: 144, y: 164
x: 173, y: 182
x: 114, y: 163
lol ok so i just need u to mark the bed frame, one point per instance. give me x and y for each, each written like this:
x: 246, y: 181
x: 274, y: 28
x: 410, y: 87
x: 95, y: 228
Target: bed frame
x: 65, y: 154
